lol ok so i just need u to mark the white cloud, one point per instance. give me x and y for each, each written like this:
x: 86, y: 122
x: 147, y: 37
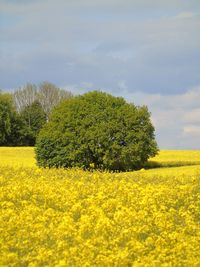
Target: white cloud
x: 176, y: 117
x: 146, y: 51
x: 122, y: 85
x: 192, y: 130
x: 90, y: 41
x: 185, y: 15
x: 119, y: 5
x: 192, y: 115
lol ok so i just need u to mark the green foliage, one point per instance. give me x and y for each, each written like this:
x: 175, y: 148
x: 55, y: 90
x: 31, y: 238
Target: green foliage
x: 18, y: 129
x: 24, y: 112
x: 12, y: 132
x: 16, y: 136
x: 6, y: 110
x: 97, y: 129
x: 47, y: 94
x: 33, y: 118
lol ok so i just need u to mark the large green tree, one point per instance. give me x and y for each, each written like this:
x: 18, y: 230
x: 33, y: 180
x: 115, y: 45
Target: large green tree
x: 97, y: 129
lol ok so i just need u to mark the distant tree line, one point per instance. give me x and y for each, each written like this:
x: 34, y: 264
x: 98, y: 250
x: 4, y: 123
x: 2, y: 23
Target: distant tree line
x: 25, y: 111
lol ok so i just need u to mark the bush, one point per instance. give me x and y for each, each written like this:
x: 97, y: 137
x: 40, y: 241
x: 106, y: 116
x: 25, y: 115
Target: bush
x: 97, y: 130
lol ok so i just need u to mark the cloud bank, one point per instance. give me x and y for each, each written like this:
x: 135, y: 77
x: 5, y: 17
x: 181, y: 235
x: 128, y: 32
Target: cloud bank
x: 176, y: 118
x: 146, y: 51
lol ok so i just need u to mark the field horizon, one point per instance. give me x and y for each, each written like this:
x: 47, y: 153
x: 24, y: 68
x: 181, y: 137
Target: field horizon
x: 164, y: 159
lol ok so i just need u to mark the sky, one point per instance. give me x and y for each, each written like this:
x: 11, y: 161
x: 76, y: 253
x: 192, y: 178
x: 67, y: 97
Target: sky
x: 147, y: 51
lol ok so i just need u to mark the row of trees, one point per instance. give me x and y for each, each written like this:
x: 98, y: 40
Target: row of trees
x: 25, y: 111
x: 94, y: 130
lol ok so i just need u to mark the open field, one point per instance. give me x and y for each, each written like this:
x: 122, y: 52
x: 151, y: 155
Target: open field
x: 76, y: 218
x: 17, y: 156
x: 175, y: 158
x: 183, y: 162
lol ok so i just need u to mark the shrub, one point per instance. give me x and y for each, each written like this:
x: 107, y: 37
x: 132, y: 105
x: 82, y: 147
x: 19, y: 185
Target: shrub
x: 98, y: 130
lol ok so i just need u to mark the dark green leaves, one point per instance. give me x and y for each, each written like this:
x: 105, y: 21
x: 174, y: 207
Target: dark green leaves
x: 99, y: 129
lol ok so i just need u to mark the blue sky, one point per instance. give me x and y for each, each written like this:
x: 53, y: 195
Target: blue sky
x: 147, y: 51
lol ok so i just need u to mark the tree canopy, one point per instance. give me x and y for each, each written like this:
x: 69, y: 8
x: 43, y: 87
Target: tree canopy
x: 33, y: 118
x: 47, y: 94
x: 97, y: 129
x: 24, y: 112
x: 6, y: 110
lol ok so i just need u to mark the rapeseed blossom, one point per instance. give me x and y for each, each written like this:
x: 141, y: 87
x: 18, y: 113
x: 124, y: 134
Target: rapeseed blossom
x: 72, y: 217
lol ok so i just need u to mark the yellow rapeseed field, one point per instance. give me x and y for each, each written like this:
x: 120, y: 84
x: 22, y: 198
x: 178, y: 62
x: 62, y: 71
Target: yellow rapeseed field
x: 72, y: 217
x: 168, y: 158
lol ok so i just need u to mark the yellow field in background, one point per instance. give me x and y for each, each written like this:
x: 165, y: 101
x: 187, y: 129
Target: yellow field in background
x: 72, y: 217
x: 183, y: 161
x: 172, y: 158
x: 17, y: 156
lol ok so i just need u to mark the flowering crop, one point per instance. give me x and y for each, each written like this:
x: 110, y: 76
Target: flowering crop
x: 171, y: 158
x: 62, y: 217
x: 17, y: 156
